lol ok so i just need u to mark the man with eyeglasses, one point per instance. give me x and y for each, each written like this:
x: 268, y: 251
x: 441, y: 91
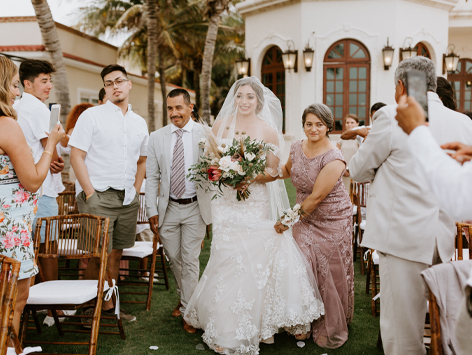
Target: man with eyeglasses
x: 109, y: 149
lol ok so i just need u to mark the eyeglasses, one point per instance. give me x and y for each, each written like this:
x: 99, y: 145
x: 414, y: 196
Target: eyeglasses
x: 117, y: 82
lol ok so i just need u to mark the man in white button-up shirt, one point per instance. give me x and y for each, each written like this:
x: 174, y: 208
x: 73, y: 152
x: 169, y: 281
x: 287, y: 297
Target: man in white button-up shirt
x: 33, y: 118
x: 108, y: 155
x: 183, y: 211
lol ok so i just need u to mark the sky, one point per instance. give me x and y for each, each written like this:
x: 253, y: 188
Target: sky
x: 63, y: 11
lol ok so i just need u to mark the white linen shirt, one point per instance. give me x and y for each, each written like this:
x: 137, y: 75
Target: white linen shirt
x: 33, y: 118
x: 449, y: 181
x: 113, y: 143
x: 190, y: 190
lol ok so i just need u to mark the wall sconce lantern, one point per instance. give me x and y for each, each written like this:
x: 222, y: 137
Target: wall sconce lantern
x: 243, y: 66
x: 451, y: 60
x: 387, y: 53
x: 409, y: 52
x: 308, y: 55
x: 290, y: 57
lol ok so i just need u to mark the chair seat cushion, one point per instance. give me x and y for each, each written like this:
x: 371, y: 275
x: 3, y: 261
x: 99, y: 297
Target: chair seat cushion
x: 63, y: 292
x: 140, y: 250
x: 363, y: 224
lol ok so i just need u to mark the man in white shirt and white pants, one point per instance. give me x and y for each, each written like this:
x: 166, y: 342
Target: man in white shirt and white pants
x: 108, y: 155
x: 405, y: 224
x: 33, y: 118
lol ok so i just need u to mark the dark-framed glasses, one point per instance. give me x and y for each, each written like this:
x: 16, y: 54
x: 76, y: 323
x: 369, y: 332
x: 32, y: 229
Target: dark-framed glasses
x: 117, y: 82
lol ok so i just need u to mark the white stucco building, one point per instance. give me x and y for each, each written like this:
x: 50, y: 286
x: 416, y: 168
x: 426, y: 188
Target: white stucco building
x: 348, y: 37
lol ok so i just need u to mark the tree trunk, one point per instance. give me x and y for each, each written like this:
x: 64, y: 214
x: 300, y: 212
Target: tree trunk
x: 151, y: 59
x: 53, y: 46
x: 197, y: 69
x: 162, y: 79
x: 214, y: 9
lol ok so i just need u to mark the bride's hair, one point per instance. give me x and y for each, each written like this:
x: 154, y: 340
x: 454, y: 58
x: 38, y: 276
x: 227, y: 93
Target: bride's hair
x: 322, y: 112
x: 257, y: 89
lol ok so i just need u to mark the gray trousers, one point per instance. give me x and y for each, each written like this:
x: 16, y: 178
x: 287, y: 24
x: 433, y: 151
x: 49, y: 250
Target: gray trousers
x: 403, y: 305
x: 181, y: 234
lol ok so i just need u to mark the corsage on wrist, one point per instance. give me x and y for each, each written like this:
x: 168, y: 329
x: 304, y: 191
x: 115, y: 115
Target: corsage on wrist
x: 291, y: 215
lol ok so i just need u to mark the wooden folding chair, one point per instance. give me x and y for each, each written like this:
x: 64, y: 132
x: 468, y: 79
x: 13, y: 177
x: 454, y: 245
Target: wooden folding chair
x: 8, y: 291
x: 463, y: 236
x: 435, y: 346
x: 70, y: 186
x: 360, y: 198
x: 67, y: 203
x: 73, y: 237
x: 141, y: 250
x: 375, y: 280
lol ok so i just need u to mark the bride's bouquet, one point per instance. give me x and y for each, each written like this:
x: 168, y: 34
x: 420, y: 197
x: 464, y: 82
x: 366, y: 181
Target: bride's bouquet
x: 232, y: 165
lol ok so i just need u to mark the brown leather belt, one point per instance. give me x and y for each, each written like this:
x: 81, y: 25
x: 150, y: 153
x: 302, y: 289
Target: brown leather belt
x: 184, y: 201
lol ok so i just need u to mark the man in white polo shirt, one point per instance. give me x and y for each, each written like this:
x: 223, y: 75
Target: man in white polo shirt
x: 108, y: 155
x: 33, y: 118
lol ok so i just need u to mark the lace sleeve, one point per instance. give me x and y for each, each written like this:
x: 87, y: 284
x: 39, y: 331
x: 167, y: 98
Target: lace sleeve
x: 274, y: 161
x: 274, y: 158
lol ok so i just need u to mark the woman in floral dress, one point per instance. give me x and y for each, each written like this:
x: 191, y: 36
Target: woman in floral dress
x: 324, y: 231
x: 20, y: 178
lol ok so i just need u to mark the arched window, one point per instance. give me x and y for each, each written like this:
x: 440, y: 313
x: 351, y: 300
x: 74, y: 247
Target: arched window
x: 273, y: 75
x: 423, y: 50
x: 346, y: 82
x: 461, y: 81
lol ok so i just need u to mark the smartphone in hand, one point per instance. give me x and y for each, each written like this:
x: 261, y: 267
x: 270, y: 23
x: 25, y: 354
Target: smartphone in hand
x: 416, y: 86
x: 54, y: 118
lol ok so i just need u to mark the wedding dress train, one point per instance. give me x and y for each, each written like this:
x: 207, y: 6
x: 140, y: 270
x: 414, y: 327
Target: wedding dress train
x: 256, y: 280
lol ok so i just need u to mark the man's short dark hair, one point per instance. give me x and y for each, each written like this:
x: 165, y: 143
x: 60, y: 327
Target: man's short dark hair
x: 179, y: 92
x: 30, y: 69
x: 377, y: 106
x: 101, y: 94
x: 111, y: 68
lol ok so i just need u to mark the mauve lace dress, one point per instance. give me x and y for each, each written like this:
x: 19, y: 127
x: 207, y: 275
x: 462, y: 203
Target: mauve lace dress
x: 324, y: 238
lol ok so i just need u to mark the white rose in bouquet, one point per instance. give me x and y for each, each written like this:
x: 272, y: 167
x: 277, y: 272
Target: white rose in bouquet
x: 238, y: 168
x: 296, y: 208
x: 225, y: 163
x: 250, y: 156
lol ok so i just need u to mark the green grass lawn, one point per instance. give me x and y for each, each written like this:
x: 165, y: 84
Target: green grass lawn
x: 158, y: 328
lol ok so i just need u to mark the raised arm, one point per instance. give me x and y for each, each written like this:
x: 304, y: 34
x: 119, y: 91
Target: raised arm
x: 375, y: 150
x: 13, y: 143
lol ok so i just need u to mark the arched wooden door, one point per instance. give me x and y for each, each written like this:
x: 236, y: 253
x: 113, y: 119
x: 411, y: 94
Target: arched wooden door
x: 273, y: 75
x: 346, y: 81
x: 461, y: 81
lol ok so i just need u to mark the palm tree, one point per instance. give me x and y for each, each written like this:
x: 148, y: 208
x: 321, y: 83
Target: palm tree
x: 116, y: 16
x: 53, y: 46
x: 213, y: 12
x: 151, y: 58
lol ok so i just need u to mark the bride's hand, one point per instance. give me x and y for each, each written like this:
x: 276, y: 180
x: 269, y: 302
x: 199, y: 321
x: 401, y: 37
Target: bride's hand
x: 280, y: 228
x: 244, y: 185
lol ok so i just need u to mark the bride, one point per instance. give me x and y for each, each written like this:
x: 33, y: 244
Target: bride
x: 255, y: 281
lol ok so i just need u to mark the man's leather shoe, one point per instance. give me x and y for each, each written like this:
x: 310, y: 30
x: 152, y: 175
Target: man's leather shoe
x: 188, y: 328
x: 176, y: 312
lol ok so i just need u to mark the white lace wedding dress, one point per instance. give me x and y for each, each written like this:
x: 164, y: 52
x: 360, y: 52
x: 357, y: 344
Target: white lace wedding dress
x: 255, y: 281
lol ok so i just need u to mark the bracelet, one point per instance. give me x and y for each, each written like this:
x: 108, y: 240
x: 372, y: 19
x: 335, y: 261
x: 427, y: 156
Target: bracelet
x: 291, y: 215
x: 47, y: 152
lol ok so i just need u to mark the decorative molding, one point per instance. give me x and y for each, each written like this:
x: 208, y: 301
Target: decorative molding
x: 440, y: 4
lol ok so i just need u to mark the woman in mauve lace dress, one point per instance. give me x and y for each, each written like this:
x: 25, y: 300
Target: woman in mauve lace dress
x: 324, y: 231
